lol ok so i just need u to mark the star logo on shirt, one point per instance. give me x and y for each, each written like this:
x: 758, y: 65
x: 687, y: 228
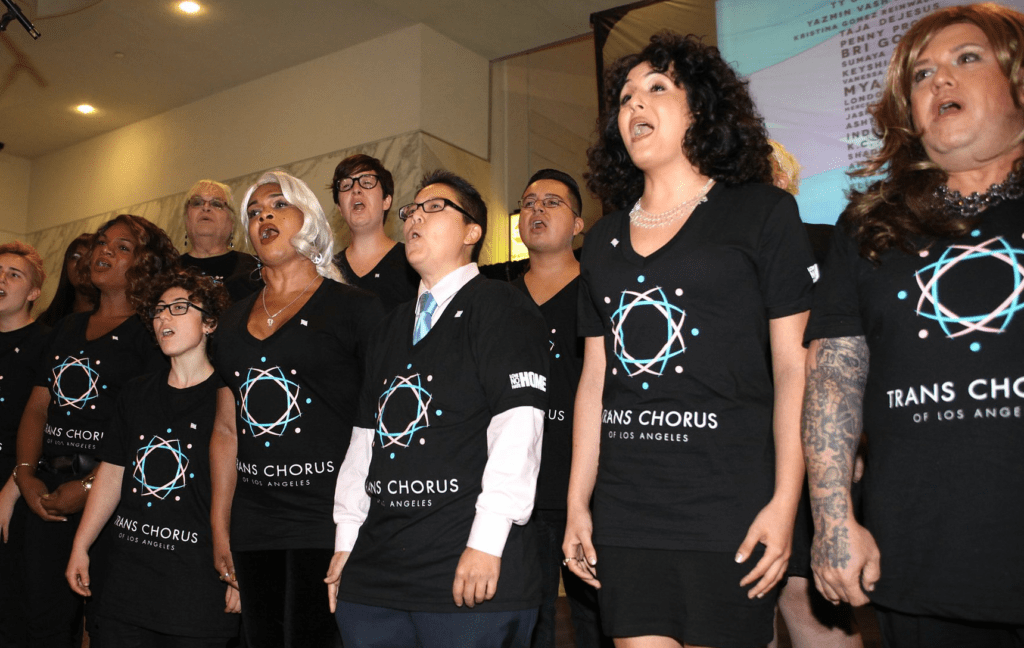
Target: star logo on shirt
x: 113, y: 337
x: 17, y: 350
x: 193, y: 426
x: 459, y: 314
x: 615, y: 242
x: 376, y: 275
x: 303, y: 322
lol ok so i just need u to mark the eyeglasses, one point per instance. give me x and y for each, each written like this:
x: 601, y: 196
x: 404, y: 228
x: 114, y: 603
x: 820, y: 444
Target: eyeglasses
x: 549, y: 202
x: 177, y: 308
x: 197, y: 202
x: 432, y: 206
x: 366, y: 181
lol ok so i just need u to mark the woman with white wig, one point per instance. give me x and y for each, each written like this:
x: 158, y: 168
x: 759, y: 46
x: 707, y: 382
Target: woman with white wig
x: 291, y: 355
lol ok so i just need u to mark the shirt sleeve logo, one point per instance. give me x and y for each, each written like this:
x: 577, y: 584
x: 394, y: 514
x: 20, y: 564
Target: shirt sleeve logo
x: 528, y: 379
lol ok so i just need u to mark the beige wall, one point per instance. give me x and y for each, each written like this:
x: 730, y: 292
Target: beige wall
x: 365, y: 93
x: 15, y: 174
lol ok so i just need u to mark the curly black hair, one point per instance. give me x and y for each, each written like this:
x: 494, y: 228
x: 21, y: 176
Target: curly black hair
x: 727, y: 140
x: 202, y: 290
x: 154, y: 255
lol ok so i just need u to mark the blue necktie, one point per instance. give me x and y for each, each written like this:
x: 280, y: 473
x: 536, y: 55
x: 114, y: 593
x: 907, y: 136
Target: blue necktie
x: 427, y: 308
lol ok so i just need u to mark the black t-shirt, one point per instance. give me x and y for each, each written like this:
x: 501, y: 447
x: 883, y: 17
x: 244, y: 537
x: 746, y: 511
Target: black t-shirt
x: 85, y: 376
x: 21, y: 353
x: 565, y: 357
x: 430, y: 405
x: 943, y: 413
x: 295, y: 399
x: 392, y: 279
x: 160, y: 576
x: 237, y: 271
x: 687, y: 450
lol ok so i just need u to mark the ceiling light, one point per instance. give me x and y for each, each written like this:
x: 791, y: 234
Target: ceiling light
x: 85, y: 109
x: 189, y: 7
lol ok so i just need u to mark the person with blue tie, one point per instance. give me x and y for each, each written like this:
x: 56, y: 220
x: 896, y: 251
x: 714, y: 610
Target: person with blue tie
x: 432, y: 546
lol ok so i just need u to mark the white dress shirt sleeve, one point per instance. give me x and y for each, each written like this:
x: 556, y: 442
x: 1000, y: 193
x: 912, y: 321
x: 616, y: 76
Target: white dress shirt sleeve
x: 351, y: 503
x: 509, y: 482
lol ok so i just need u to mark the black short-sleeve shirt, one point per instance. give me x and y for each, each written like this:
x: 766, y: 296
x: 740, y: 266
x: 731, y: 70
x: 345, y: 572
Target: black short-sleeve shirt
x: 943, y: 412
x: 85, y: 376
x: 687, y: 452
x: 430, y: 405
x: 565, y: 357
x: 21, y: 353
x: 160, y: 576
x: 392, y: 279
x: 295, y: 400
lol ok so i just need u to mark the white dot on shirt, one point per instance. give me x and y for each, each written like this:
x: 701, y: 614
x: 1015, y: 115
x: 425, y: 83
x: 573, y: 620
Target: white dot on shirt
x: 429, y: 378
x: 553, y: 331
x: 679, y: 369
x: 607, y: 300
x: 293, y: 372
x: 615, y: 372
x: 923, y: 333
x: 297, y: 430
x: 679, y: 292
x: 924, y: 253
x: 422, y: 441
x: 189, y: 446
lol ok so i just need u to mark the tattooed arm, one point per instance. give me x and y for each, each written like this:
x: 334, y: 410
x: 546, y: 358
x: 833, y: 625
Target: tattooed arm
x: 844, y: 556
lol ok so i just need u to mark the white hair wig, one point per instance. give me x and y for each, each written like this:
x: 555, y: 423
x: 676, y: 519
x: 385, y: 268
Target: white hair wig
x: 314, y: 240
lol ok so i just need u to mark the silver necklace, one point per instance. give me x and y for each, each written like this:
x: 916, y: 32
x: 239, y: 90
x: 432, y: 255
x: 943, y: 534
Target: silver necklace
x: 642, y: 218
x: 270, y: 318
x: 959, y: 206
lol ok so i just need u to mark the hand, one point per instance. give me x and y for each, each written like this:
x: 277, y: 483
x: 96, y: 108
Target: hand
x: 223, y: 561
x: 333, y: 579
x: 580, y: 556
x: 33, y: 490
x: 78, y: 572
x: 8, y: 498
x: 476, y: 577
x: 69, y: 498
x: 773, y: 528
x: 232, y: 602
x: 846, y: 562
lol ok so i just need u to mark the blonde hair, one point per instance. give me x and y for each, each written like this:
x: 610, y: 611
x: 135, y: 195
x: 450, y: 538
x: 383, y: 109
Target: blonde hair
x: 35, y: 262
x: 783, y: 163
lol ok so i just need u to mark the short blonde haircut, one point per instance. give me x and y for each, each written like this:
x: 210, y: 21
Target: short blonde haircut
x: 784, y: 163
x: 35, y: 262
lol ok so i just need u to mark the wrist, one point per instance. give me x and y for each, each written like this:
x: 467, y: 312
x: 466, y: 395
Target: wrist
x: 87, y: 483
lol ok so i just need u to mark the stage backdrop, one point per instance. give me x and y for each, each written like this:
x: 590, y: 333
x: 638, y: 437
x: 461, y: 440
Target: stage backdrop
x: 814, y: 67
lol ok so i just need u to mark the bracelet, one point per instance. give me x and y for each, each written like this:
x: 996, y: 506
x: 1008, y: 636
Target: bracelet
x: 87, y: 483
x: 14, y: 473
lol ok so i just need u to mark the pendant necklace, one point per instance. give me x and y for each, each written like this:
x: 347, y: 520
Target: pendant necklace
x: 270, y: 318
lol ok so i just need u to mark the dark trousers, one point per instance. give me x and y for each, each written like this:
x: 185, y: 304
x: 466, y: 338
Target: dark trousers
x: 368, y: 626
x: 54, y: 611
x: 13, y: 612
x: 586, y: 620
x: 284, y: 598
x: 115, y: 634
x: 911, y: 631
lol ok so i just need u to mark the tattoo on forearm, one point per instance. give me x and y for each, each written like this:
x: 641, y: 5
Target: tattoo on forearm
x: 831, y: 428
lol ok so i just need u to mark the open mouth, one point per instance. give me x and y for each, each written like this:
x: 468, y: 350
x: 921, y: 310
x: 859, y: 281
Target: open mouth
x: 947, y: 106
x: 640, y: 129
x: 537, y: 224
x: 3, y: 293
x: 268, y: 233
x: 166, y: 332
x: 101, y: 264
x: 358, y: 206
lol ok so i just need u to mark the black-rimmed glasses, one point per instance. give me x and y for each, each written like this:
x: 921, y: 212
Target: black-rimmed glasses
x: 432, y: 206
x: 366, y: 181
x: 548, y: 202
x: 176, y: 308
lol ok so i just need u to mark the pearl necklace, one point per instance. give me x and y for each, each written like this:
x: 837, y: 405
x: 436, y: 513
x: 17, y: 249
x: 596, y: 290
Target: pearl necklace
x: 270, y: 318
x: 642, y: 218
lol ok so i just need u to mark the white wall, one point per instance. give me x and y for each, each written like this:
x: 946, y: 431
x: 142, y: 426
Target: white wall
x: 409, y: 80
x: 15, y: 174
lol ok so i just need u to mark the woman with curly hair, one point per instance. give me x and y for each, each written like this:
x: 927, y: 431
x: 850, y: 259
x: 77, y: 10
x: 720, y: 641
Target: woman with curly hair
x: 914, y: 342
x: 154, y: 481
x: 692, y: 303
x: 73, y: 295
x: 89, y: 358
x: 292, y: 355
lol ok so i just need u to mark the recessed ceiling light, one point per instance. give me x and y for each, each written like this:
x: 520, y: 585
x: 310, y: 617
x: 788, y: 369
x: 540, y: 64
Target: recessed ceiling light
x: 189, y: 7
x: 85, y: 109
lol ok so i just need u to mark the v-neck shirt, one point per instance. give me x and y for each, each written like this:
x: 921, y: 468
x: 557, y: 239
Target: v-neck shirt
x: 295, y: 399
x: 392, y: 279
x: 687, y: 451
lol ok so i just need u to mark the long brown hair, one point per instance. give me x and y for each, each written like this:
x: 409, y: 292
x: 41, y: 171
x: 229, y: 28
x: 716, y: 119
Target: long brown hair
x: 894, y: 211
